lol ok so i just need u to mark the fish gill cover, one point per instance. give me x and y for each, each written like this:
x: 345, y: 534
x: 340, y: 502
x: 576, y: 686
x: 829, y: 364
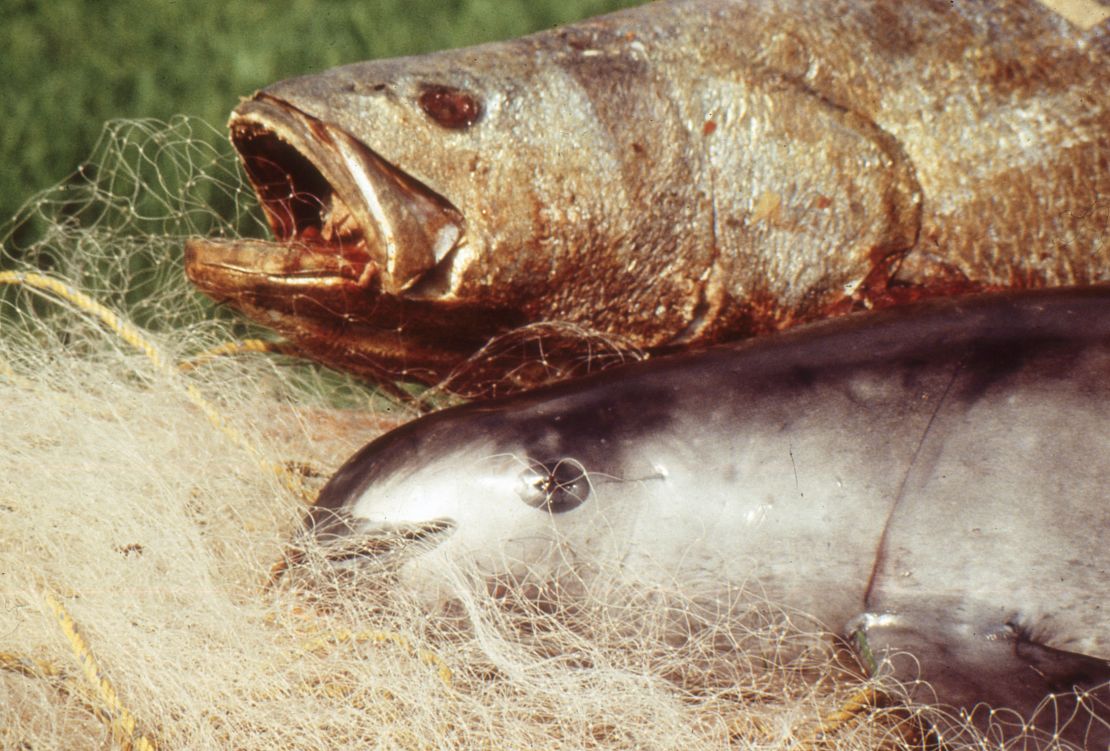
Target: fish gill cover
x: 149, y: 484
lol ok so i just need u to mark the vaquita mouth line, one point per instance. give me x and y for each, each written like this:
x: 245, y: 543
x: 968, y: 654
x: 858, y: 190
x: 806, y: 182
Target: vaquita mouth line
x: 343, y: 547
x: 391, y: 542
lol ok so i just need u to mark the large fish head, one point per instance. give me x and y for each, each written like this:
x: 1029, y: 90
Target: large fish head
x: 519, y: 493
x: 411, y: 201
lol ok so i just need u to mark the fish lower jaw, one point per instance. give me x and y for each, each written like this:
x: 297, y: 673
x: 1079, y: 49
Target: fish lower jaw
x: 237, y: 269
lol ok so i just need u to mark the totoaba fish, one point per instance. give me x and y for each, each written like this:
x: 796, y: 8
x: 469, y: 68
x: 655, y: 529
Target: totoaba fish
x: 931, y: 480
x: 672, y: 175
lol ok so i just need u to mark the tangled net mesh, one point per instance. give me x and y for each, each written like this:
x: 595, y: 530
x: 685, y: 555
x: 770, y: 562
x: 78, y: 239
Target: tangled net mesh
x: 148, y: 487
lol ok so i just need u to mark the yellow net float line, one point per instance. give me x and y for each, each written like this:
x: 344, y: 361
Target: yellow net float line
x: 374, y: 636
x: 63, y: 680
x: 29, y: 667
x: 124, y: 331
x: 228, y: 349
x: 102, y: 699
x: 859, y: 702
x: 121, y: 722
x: 907, y: 731
x: 130, y: 334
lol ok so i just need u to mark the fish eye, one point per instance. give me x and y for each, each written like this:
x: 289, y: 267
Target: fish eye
x: 450, y: 107
x: 555, y: 486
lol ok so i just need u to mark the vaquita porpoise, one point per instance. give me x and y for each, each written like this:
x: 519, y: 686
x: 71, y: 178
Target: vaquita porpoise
x: 672, y: 175
x: 932, y: 480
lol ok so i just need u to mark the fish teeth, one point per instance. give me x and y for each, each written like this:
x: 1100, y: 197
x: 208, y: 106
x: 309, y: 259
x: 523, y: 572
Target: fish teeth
x: 339, y: 222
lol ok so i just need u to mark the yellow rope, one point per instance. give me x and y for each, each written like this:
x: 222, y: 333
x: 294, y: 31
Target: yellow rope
x: 857, y: 703
x: 373, y: 636
x: 131, y: 335
x: 122, y: 329
x: 28, y: 666
x: 63, y: 680
x: 232, y: 348
x: 121, y: 721
x: 905, y: 733
x: 123, y: 724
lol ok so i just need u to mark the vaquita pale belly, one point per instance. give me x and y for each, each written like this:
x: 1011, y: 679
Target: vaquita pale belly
x: 930, y: 480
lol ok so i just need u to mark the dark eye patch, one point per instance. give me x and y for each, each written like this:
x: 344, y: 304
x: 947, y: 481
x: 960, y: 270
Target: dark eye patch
x: 556, y: 486
x: 450, y: 107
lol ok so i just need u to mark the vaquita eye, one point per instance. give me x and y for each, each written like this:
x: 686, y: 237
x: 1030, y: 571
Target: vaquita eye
x: 556, y: 486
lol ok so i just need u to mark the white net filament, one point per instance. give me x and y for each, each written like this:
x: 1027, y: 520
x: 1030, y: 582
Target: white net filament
x: 143, y: 504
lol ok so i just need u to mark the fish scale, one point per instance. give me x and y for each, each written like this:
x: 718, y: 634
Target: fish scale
x: 677, y: 174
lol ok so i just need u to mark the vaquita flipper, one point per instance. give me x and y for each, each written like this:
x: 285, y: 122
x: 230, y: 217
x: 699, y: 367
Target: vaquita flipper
x: 1010, y: 687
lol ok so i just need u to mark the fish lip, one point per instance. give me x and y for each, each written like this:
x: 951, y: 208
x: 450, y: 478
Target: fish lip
x: 325, y: 193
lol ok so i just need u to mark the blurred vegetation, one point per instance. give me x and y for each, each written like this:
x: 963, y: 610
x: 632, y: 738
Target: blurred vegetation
x: 69, y: 65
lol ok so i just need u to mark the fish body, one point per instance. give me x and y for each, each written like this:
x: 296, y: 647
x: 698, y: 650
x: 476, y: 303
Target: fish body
x: 930, y: 479
x: 672, y: 175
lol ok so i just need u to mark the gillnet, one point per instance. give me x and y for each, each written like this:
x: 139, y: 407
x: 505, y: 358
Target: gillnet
x: 157, y: 455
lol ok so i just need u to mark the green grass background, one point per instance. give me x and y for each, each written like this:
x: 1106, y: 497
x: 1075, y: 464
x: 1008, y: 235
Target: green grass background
x: 66, y: 66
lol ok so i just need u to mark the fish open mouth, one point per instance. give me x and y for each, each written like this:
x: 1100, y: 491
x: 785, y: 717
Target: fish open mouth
x: 336, y: 209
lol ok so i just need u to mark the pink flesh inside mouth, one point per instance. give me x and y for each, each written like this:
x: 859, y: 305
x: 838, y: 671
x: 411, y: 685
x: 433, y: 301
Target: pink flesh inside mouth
x: 301, y: 206
x: 334, y: 196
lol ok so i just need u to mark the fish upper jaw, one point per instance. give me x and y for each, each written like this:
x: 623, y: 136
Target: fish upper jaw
x: 340, y: 214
